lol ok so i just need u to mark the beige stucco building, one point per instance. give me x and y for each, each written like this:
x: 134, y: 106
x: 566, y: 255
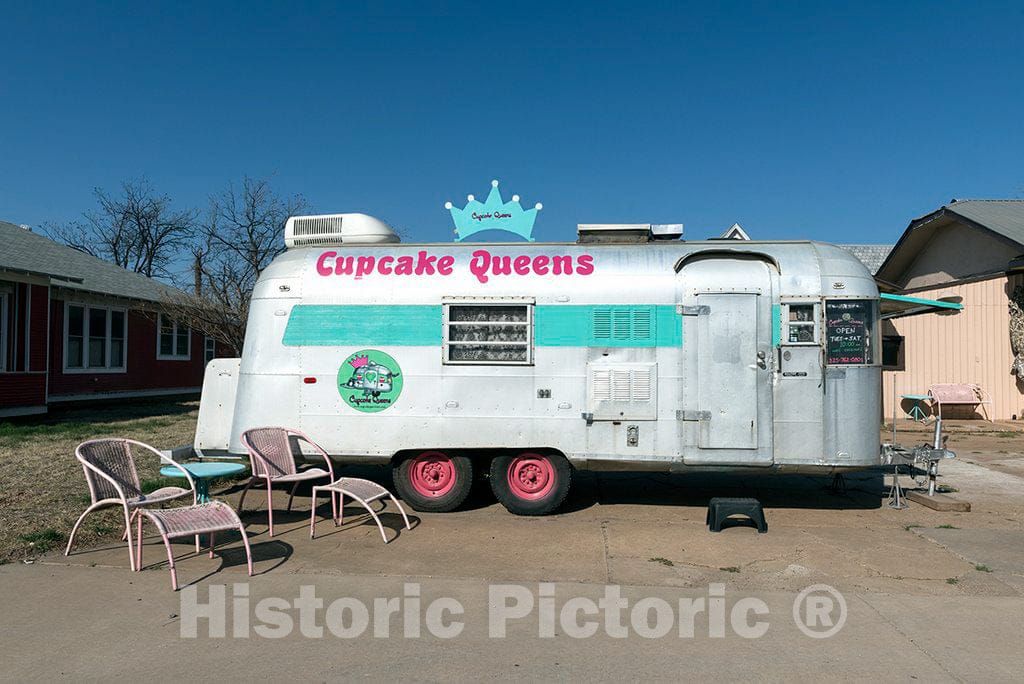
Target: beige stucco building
x: 971, y: 249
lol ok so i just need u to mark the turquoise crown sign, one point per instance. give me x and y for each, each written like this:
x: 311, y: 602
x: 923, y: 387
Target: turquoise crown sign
x: 493, y: 214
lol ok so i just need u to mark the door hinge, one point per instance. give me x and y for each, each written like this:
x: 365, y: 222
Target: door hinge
x: 699, y: 310
x: 693, y: 415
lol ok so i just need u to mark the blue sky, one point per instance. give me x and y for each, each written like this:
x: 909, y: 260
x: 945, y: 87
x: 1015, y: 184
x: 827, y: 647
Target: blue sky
x: 832, y: 121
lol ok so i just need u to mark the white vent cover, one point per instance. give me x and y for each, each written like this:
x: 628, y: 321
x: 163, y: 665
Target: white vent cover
x: 622, y: 391
x: 336, y: 229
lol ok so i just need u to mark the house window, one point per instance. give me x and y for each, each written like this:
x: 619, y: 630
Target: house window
x: 488, y: 333
x: 3, y: 332
x: 892, y: 352
x: 94, y: 338
x: 209, y: 349
x: 173, y: 339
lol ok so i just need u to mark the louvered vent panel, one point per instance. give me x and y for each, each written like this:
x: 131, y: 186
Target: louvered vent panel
x: 622, y: 391
x: 624, y: 325
x: 642, y: 328
x: 601, y: 385
x: 640, y: 385
x: 602, y: 324
x: 621, y: 385
x: 620, y: 324
x: 318, y: 230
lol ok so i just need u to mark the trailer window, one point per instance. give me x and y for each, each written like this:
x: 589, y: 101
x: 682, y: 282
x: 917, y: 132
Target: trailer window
x: 485, y: 333
x: 801, y: 324
x: 850, y: 332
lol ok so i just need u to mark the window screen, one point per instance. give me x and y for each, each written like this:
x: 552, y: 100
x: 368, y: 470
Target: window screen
x: 484, y: 333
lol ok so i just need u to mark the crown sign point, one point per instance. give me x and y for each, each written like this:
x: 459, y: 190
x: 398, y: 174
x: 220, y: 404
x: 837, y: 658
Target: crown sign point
x: 470, y: 198
x: 515, y: 198
x: 494, y: 183
x: 447, y: 205
x: 539, y: 206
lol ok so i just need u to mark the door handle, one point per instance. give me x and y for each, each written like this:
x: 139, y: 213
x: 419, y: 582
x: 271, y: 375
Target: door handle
x: 761, y: 363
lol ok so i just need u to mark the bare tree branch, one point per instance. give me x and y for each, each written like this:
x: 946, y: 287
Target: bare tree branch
x: 136, y: 229
x: 241, y: 234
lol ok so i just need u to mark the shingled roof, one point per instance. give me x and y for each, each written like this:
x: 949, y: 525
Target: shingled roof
x: 1001, y: 217
x: 23, y: 251
x: 871, y: 256
x: 1005, y: 217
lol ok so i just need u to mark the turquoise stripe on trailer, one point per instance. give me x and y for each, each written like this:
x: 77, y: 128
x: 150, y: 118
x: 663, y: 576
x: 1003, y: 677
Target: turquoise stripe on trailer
x: 320, y: 325
x: 776, y: 325
x: 608, y: 325
x: 328, y: 325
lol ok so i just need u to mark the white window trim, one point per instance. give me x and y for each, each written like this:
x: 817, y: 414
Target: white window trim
x: 123, y: 368
x: 207, y: 348
x: 3, y: 332
x: 187, y: 356
x: 488, y: 301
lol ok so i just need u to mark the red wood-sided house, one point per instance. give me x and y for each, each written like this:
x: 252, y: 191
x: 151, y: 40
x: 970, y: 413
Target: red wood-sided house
x: 76, y: 328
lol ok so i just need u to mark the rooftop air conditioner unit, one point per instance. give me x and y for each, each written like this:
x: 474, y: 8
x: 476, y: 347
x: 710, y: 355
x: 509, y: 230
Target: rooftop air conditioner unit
x: 336, y: 229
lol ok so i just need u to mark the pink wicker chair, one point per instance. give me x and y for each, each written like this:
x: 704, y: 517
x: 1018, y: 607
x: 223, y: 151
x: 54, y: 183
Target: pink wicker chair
x: 109, y: 466
x: 272, y: 461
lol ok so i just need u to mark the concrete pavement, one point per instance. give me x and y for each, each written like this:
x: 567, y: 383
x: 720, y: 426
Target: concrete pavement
x: 917, y: 604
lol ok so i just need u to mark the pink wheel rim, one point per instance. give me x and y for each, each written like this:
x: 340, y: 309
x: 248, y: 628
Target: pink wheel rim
x: 432, y: 474
x: 531, y: 476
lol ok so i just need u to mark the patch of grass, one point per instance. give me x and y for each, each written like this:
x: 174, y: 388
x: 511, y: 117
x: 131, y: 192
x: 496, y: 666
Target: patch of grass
x: 731, y: 568
x: 910, y: 527
x: 13, y: 434
x: 952, y: 580
x: 1008, y: 434
x: 42, y: 540
x: 664, y: 561
x: 37, y: 456
x: 101, y: 530
x: 981, y: 567
x: 946, y: 527
x: 151, y: 484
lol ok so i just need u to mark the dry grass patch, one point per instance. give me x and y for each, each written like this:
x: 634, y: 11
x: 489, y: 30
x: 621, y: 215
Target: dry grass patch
x: 44, y: 490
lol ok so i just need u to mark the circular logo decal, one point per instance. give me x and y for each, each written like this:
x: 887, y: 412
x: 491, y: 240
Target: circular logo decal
x: 369, y: 381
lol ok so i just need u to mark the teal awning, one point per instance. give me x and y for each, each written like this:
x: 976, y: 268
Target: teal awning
x: 898, y: 306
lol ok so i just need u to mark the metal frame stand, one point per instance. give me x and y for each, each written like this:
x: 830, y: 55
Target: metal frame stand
x: 896, y: 493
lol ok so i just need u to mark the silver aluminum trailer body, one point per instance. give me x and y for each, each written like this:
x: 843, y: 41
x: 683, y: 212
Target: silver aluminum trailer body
x: 659, y: 356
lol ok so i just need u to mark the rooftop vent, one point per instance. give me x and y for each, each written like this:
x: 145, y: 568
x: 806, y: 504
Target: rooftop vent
x: 336, y: 229
x: 627, y: 233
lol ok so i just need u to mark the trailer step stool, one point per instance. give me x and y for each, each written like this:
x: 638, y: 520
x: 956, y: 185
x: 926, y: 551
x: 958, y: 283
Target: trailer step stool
x: 720, y: 508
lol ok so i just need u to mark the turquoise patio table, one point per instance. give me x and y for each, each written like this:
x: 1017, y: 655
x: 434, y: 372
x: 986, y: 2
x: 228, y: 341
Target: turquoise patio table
x: 915, y: 411
x: 203, y: 472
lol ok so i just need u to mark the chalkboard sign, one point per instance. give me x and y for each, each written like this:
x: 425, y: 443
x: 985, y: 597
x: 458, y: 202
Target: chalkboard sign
x: 848, y: 328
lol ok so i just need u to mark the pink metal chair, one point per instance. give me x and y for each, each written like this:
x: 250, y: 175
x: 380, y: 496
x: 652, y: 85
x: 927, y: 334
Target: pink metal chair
x: 109, y: 466
x: 206, y: 518
x: 272, y: 460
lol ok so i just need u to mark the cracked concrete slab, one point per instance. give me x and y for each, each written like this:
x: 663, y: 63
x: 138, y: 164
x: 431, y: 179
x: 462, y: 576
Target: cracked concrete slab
x: 999, y: 550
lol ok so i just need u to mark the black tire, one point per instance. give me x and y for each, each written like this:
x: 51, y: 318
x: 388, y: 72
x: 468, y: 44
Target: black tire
x: 549, y: 494
x: 408, y: 468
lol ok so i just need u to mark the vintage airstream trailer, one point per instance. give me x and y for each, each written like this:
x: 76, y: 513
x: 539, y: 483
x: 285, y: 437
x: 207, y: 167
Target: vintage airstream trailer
x: 629, y: 349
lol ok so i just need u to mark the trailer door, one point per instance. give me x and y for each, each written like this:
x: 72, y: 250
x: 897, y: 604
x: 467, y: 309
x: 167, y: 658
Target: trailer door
x: 727, y: 362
